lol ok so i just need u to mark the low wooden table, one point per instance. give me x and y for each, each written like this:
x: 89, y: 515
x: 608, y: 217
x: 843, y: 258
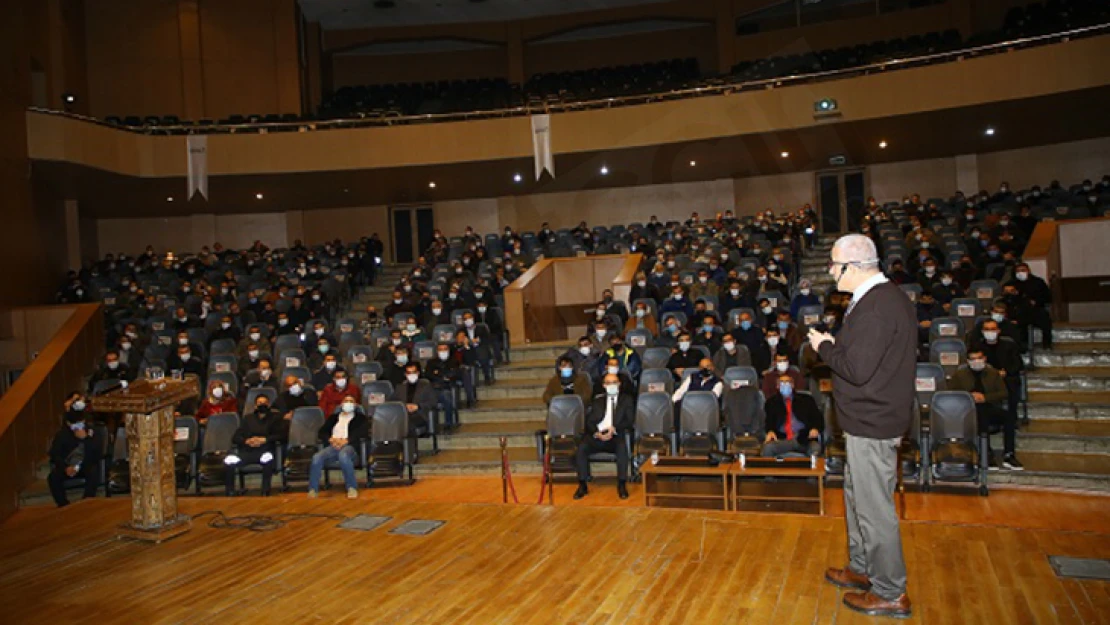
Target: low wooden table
x: 700, y: 486
x: 792, y: 490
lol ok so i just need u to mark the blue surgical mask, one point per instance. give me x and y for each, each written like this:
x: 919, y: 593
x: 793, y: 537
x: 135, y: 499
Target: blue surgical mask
x: 783, y: 325
x: 746, y: 324
x: 786, y: 390
x: 707, y: 328
x: 566, y: 372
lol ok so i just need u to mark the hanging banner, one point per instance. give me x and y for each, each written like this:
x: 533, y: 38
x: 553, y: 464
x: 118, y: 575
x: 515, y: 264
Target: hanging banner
x: 197, y: 145
x: 541, y: 145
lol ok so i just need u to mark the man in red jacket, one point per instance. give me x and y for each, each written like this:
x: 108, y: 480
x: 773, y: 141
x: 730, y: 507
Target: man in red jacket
x: 332, y: 395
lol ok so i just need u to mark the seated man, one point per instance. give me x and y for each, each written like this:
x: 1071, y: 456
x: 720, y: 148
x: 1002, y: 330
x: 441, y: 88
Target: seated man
x: 418, y: 397
x: 584, y: 358
x: 989, y: 391
x: 627, y: 359
x: 112, y: 369
x: 332, y: 395
x: 781, y: 367
x: 250, y: 359
x: 341, y: 432
x: 611, y: 415
x: 258, y: 434
x: 294, y: 396
x: 444, y: 373
x: 568, y: 382
x: 319, y: 354
x: 480, y: 342
x: 794, y: 422
x: 709, y: 334
x: 704, y: 379
x: 1031, y: 301
x: 731, y: 355
x: 613, y: 367
x: 74, y: 452
x: 684, y: 357
x: 642, y: 319
x: 326, y: 371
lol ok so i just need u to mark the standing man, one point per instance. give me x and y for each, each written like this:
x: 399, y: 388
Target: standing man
x: 872, y: 360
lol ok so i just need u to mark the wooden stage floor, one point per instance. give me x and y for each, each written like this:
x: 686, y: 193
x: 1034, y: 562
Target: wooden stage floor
x: 971, y: 561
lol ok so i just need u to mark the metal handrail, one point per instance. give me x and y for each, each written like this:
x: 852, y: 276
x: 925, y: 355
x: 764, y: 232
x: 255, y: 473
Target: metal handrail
x: 609, y: 102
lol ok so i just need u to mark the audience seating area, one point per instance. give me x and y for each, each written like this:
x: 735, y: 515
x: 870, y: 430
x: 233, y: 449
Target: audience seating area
x: 394, y: 103
x: 283, y: 327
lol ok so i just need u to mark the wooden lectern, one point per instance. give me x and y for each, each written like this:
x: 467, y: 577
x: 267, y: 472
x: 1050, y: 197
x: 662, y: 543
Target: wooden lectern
x: 148, y: 409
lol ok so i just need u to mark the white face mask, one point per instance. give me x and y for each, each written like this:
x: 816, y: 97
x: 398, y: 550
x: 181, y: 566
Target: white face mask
x: 412, y: 377
x: 319, y: 331
x: 641, y: 284
x: 602, y: 333
x: 613, y: 370
x: 468, y: 323
x: 225, y: 326
x: 1021, y: 275
x: 283, y: 322
x: 640, y: 312
x: 443, y: 355
x: 218, y: 392
x: 782, y: 366
x: 411, y: 327
x: 600, y: 313
x: 125, y: 346
x: 684, y: 345
x: 612, y: 389
x: 977, y: 365
x: 265, y: 373
x: 766, y: 310
x: 79, y: 405
x: 255, y: 336
x: 295, y: 390
x: 773, y: 341
x: 946, y: 281
x: 584, y: 350
x: 341, y: 383
x: 804, y: 291
x: 348, y: 407
x: 483, y: 309
x: 990, y: 336
x: 185, y: 355
x: 182, y: 341
x: 330, y: 365
x: 729, y: 346
x: 253, y: 353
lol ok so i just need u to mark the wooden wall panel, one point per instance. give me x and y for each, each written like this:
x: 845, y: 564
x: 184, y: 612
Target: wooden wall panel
x: 931, y: 178
x: 1067, y: 162
x: 375, y: 69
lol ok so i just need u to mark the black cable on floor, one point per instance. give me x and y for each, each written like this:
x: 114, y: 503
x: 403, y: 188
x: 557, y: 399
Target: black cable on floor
x: 258, y: 522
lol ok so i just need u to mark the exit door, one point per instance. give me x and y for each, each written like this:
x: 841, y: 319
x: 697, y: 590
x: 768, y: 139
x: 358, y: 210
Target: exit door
x: 411, y: 228
x: 841, y: 200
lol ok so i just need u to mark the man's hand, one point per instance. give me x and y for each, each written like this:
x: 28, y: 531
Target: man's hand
x: 338, y: 443
x: 814, y: 434
x: 288, y: 416
x: 81, y: 434
x: 605, y: 435
x: 71, y: 471
x: 816, y: 338
x: 770, y: 437
x: 978, y: 397
x: 1002, y: 372
x: 679, y: 370
x: 925, y: 324
x: 412, y: 407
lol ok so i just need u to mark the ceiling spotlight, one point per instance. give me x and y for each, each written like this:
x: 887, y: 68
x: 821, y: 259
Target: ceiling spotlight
x: 345, y: 190
x: 604, y: 170
x: 989, y: 131
x: 784, y: 154
x: 882, y: 145
x: 693, y: 163
x: 431, y: 185
x: 258, y: 196
x: 517, y: 177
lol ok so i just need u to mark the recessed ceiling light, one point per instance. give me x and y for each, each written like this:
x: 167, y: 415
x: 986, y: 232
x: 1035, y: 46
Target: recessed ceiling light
x: 784, y: 154
x: 169, y: 198
x: 882, y: 145
x: 604, y: 170
x: 431, y: 185
x: 258, y: 196
x: 345, y: 190
x: 517, y: 177
x: 693, y: 163
x: 989, y: 131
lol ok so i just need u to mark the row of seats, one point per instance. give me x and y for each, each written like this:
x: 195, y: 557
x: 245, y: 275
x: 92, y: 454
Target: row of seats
x: 384, y: 102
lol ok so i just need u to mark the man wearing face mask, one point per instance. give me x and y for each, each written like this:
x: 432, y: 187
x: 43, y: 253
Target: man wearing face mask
x: 255, y: 441
x: 444, y: 374
x: 394, y: 370
x: 437, y: 316
x: 568, y: 381
x: 781, y: 367
x: 294, y: 395
x: 479, y: 338
x: 684, y: 356
x: 873, y: 361
x: 187, y: 362
x: 1004, y: 354
x: 704, y: 378
x: 333, y: 393
x: 709, y: 333
x: 284, y: 325
x: 256, y: 334
x: 794, y: 422
x: 341, y: 433
x: 614, y: 307
x: 731, y: 354
x: 419, y: 399
x: 112, y: 369
x: 74, y: 452
x: 643, y: 289
x: 227, y: 330
x: 988, y: 389
x: 1035, y: 298
x: 804, y: 297
x: 678, y: 302
x: 627, y: 359
x: 734, y: 297
x: 325, y: 373
x: 642, y: 319
x: 610, y: 416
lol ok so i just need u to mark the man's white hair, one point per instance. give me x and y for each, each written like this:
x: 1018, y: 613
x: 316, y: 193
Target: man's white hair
x: 857, y: 248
